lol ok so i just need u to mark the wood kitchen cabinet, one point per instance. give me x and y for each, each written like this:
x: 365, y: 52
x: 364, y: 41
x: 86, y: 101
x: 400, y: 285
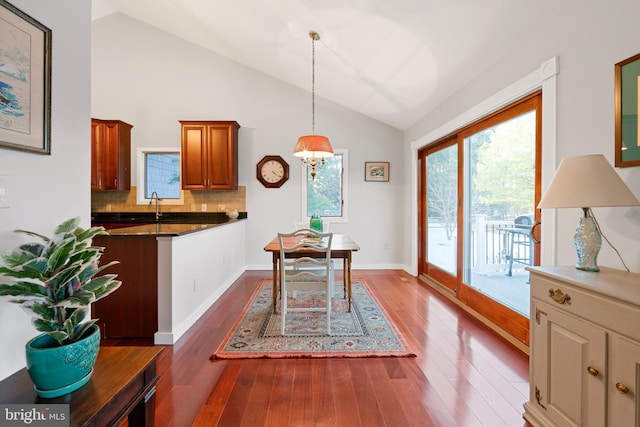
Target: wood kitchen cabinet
x: 110, y: 155
x: 209, y: 155
x: 585, y: 348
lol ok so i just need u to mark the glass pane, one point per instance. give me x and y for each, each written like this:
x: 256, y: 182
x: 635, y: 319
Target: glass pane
x: 442, y: 206
x: 162, y: 175
x: 324, y: 194
x: 498, y: 212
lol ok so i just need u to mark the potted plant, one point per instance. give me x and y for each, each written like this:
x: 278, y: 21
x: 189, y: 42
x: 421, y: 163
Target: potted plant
x: 55, y: 280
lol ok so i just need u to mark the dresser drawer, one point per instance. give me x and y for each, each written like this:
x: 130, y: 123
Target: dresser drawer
x: 609, y: 313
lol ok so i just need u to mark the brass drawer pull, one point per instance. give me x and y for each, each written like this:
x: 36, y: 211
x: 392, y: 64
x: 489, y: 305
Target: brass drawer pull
x: 592, y: 371
x: 622, y: 389
x: 559, y: 297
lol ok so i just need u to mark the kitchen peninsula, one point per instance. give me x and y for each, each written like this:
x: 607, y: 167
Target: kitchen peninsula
x: 172, y: 271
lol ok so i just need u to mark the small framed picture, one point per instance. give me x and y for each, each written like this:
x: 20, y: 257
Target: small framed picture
x: 627, y: 98
x: 376, y: 171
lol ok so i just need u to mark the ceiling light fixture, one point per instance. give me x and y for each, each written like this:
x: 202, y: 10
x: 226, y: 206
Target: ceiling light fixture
x: 311, y: 147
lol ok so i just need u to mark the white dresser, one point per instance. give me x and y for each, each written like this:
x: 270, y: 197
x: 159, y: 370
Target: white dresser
x: 585, y: 348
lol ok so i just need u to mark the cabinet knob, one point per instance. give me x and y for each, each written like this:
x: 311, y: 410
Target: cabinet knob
x: 592, y: 371
x: 622, y: 389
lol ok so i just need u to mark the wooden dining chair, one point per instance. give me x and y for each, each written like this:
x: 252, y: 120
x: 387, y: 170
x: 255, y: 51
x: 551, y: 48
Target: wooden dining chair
x: 299, y: 225
x: 309, y: 271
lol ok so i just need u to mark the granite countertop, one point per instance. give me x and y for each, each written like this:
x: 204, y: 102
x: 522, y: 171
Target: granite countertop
x: 160, y: 229
x: 136, y: 218
x: 169, y: 224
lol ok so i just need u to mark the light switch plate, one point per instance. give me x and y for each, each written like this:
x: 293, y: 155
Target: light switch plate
x: 4, y: 191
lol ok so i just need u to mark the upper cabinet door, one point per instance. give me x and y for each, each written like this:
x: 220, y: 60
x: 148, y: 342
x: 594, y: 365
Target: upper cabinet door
x: 194, y: 154
x: 209, y: 155
x: 110, y: 155
x: 96, y: 154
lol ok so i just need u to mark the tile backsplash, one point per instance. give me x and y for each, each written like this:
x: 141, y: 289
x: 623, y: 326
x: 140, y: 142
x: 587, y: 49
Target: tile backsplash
x: 194, y: 201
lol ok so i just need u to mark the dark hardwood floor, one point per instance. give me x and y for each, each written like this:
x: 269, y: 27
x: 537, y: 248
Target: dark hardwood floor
x: 463, y: 375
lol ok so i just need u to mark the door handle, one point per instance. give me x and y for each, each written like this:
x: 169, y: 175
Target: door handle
x: 532, y: 229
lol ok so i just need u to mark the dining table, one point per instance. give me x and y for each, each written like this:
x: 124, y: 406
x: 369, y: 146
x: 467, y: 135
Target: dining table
x: 342, y: 247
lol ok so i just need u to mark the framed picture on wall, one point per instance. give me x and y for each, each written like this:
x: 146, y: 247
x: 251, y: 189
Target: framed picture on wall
x: 627, y: 101
x: 376, y: 171
x: 25, y: 81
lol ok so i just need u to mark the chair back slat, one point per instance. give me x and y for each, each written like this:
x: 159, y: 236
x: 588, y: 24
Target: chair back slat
x: 305, y: 259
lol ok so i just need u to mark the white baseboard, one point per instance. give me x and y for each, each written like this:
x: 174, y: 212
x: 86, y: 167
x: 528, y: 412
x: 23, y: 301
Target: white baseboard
x: 170, y: 338
x: 339, y: 267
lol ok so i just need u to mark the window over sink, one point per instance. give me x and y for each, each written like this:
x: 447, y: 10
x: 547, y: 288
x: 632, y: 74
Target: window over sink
x: 159, y: 172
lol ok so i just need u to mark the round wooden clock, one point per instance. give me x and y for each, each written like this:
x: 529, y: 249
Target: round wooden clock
x: 272, y: 171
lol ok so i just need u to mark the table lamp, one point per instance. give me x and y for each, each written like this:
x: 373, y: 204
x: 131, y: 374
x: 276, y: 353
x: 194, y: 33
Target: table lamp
x: 586, y: 182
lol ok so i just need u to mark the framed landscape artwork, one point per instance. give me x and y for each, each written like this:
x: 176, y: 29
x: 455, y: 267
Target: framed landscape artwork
x: 627, y: 105
x: 376, y: 171
x: 25, y: 81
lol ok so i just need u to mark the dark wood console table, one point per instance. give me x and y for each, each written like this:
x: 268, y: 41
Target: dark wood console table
x: 121, y: 387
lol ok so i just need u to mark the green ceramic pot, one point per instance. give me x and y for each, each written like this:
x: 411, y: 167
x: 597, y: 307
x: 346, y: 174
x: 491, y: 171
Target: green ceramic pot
x: 57, y: 370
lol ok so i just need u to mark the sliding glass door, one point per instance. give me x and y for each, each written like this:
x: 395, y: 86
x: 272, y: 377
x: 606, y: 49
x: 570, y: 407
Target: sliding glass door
x: 441, y: 221
x: 479, y: 189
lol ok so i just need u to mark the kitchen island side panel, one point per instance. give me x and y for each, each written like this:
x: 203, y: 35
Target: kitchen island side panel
x: 132, y: 310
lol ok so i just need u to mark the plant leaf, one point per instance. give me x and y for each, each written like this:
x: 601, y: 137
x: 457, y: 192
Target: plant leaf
x: 103, y: 285
x: 59, y: 253
x: 34, y: 268
x: 79, y: 299
x: 68, y: 226
x: 23, y: 289
x: 81, y: 329
x: 40, y: 310
x: 33, y: 233
x: 22, y: 254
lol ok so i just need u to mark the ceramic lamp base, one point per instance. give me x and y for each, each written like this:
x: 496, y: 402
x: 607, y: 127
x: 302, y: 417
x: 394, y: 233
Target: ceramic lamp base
x: 588, y: 242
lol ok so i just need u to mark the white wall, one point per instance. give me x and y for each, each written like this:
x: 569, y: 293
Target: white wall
x: 46, y: 190
x: 151, y: 79
x: 588, y: 40
x: 194, y: 270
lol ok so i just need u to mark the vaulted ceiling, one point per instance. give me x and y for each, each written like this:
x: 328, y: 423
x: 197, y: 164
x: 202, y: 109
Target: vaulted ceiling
x: 392, y: 60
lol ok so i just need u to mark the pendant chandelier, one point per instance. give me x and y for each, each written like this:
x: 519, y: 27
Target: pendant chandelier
x: 312, y: 147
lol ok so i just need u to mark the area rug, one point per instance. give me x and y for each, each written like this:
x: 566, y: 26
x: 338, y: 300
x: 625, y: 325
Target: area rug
x: 366, y: 331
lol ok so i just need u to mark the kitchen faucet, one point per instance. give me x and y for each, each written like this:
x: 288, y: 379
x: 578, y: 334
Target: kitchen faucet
x: 155, y: 195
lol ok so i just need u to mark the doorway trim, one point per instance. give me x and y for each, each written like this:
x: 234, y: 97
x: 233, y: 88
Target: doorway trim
x: 545, y: 78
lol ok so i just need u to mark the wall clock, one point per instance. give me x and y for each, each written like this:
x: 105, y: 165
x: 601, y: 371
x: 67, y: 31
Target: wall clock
x: 272, y: 171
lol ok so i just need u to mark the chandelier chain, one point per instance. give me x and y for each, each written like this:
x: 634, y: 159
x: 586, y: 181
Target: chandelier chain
x: 313, y: 85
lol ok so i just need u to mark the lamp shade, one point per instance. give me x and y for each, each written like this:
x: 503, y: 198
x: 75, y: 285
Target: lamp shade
x: 586, y: 182
x: 309, y: 146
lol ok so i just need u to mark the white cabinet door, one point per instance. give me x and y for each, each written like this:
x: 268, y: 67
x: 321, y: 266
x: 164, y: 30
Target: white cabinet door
x: 624, y: 380
x: 569, y: 371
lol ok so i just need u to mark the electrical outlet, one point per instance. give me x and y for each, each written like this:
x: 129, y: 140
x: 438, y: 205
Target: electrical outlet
x: 4, y: 191
x: 204, y: 207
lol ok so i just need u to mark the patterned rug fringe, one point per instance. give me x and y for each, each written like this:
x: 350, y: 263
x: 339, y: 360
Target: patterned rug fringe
x: 366, y: 331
